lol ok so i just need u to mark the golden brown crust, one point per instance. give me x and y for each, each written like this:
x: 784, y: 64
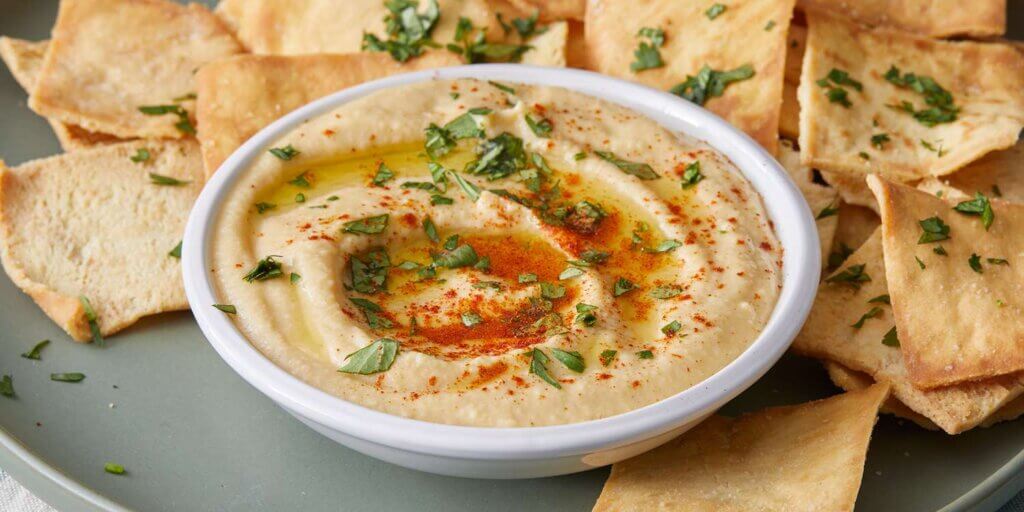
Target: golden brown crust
x: 933, y: 18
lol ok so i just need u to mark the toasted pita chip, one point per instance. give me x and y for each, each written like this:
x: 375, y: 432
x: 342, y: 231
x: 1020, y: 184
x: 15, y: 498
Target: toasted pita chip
x: 934, y: 18
x: 763, y: 461
x: 856, y: 224
x: 549, y: 48
x: 876, y: 133
x: 853, y: 189
x: 999, y: 175
x: 239, y: 96
x: 824, y: 201
x: 576, y: 55
x: 91, y: 223
x: 851, y: 380
x: 745, y: 33
x: 959, y: 316
x: 552, y: 10
x: 296, y: 27
x: 829, y: 334
x: 789, y: 115
x: 789, y: 120
x: 109, y: 58
x: 25, y: 59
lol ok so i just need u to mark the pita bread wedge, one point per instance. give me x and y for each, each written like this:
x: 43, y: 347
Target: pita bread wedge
x: 999, y: 175
x: 549, y: 48
x: 789, y: 120
x: 110, y: 58
x: 824, y: 201
x: 25, y: 59
x: 860, y: 112
x: 959, y: 316
x: 852, y: 188
x: 239, y: 96
x: 576, y: 55
x: 746, y: 33
x: 934, y: 18
x: 93, y: 224
x: 805, y: 457
x: 851, y: 380
x: 856, y: 224
x: 553, y: 10
x: 297, y: 27
x: 829, y: 334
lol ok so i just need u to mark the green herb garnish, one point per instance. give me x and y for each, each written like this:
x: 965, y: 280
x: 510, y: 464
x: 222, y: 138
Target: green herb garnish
x: 227, y: 308
x: 262, y: 207
x: 638, y: 169
x: 710, y: 83
x: 541, y: 128
x: 854, y: 275
x: 941, y: 108
x: 67, y: 377
x: 872, y: 313
x: 671, y: 328
x: 113, y: 468
x: 647, y: 53
x: 373, y: 225
x: 376, y: 357
x: 470, y: 318
x: 383, y: 175
x: 538, y: 367
x: 267, y: 268
x: 828, y: 211
x: 92, y: 318
x: 979, y: 206
x: 284, y: 153
x: 666, y: 292
x: 891, y: 339
x: 933, y: 230
x: 645, y: 354
x: 572, y: 360
x: 141, y: 155
x: 975, y: 263
x: 607, y: 356
x: 34, y: 354
x: 881, y: 299
x: 408, y: 31
x: 7, y: 386
x: 692, y: 175
x: 176, y: 252
x: 714, y: 11
x: 622, y: 286
x: 159, y: 179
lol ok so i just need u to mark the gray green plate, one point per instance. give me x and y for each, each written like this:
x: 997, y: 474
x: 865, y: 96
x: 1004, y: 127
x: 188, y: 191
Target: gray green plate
x: 193, y: 436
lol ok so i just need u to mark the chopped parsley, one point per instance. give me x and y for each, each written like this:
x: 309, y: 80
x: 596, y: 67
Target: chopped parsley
x: 570, y: 273
x: 881, y: 299
x: 941, y: 108
x: 502, y: 87
x: 714, y: 11
x: 872, y: 313
x: 461, y: 256
x: 184, y: 124
x: 572, y: 360
x: 34, y: 354
x: 267, y: 268
x: 527, y: 278
x: 710, y: 83
x: 828, y: 211
x: 934, y: 148
x: 7, y: 386
x: 67, y: 377
x: 933, y: 230
x: 373, y: 225
x: 541, y: 128
x: 641, y: 170
x: 585, y: 314
x: 665, y: 292
x: 551, y: 291
x: 940, y: 250
x: 879, y: 140
x: 997, y: 261
x: 301, y: 181
x: 498, y: 157
x: 383, y: 175
x: 607, y: 356
x: 284, y: 153
x: 835, y: 84
x: 262, y: 207
x: 623, y: 286
x: 538, y: 367
x: 294, y: 278
x: 920, y: 263
x: 692, y: 175
x: 665, y: 246
x: 370, y: 272
x: 647, y: 54
x: 975, y: 263
x: 176, y: 252
x: 438, y: 141
x: 891, y: 339
x: 853, y: 275
x: 770, y: 25
x: 645, y: 354
x: 92, y: 318
x: 439, y: 200
x: 471, y: 319
x: 472, y: 45
x: 471, y: 190
x: 430, y: 229
x: 376, y: 357
x: 671, y: 328
x: 979, y: 206
x: 408, y: 31
x: 300, y: 198
x: 113, y: 468
x: 141, y: 155
x: 227, y: 308
x: 160, y: 179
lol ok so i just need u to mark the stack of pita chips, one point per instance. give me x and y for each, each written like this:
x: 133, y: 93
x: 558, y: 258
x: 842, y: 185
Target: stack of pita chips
x: 149, y: 97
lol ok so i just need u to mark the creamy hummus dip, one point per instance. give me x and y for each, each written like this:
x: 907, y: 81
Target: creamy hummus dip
x: 490, y: 254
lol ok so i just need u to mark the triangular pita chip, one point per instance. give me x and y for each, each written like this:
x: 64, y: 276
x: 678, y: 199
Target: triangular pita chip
x: 239, y: 96
x: 25, y: 59
x: 935, y: 18
x: 999, y: 175
x: 805, y: 457
x: 296, y: 27
x: 871, y: 130
x: 576, y: 55
x: 109, y: 58
x: 91, y: 223
x: 551, y: 10
x: 548, y: 47
x: 829, y: 334
x: 856, y: 224
x: 959, y: 317
x: 852, y: 188
x: 789, y: 120
x: 824, y: 201
x: 751, y: 32
x: 851, y: 380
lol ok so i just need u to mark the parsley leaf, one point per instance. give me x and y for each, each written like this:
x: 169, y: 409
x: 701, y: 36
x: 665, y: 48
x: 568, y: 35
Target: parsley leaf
x: 408, y: 32
x: 692, y: 175
x: 647, y: 53
x: 933, y: 230
x: 159, y: 179
x: 34, y: 354
x: 367, y: 226
x: 939, y: 100
x: 891, y: 339
x: 975, y: 263
x: 538, y: 362
x: 572, y: 360
x: 384, y: 174
x: 540, y: 128
x: 141, y: 155
x: 623, y: 286
x: 710, y: 83
x: 828, y: 211
x: 641, y: 170
x: 714, y: 11
x: 607, y: 356
x: 854, y: 275
x: 286, y: 153
x: 376, y: 357
x: 979, y: 206
x: 872, y: 313
x: 266, y: 268
x: 227, y: 308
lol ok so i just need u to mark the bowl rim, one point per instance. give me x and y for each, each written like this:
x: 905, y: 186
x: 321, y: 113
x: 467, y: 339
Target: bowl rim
x: 792, y: 218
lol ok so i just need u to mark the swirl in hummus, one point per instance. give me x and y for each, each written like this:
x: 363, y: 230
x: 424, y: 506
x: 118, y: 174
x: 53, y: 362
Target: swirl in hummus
x: 485, y: 254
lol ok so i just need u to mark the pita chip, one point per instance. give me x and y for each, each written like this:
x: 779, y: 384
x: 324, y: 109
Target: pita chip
x: 805, y: 457
x: 860, y: 112
x: 549, y: 48
x: 856, y: 224
x: 999, y: 175
x: 576, y: 55
x: 110, y: 58
x: 296, y: 27
x: 823, y: 201
x: 553, y: 10
x: 933, y: 18
x: 958, y: 308
x: 789, y: 120
x: 851, y: 380
x: 751, y: 33
x: 850, y: 295
x: 25, y: 59
x: 239, y: 96
x: 93, y: 224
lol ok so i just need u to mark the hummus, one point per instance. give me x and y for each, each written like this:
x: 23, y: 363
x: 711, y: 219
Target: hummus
x: 486, y: 254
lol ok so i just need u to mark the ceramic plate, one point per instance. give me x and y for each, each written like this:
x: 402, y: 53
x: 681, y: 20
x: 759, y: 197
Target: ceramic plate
x: 194, y: 436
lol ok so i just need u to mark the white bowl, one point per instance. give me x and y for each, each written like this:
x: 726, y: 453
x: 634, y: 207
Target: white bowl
x: 530, y: 451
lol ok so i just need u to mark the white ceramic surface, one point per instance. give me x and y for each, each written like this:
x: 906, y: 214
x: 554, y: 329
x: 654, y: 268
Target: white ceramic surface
x: 534, y: 451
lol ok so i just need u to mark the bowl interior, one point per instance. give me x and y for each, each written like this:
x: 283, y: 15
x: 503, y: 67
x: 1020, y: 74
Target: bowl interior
x: 785, y: 206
